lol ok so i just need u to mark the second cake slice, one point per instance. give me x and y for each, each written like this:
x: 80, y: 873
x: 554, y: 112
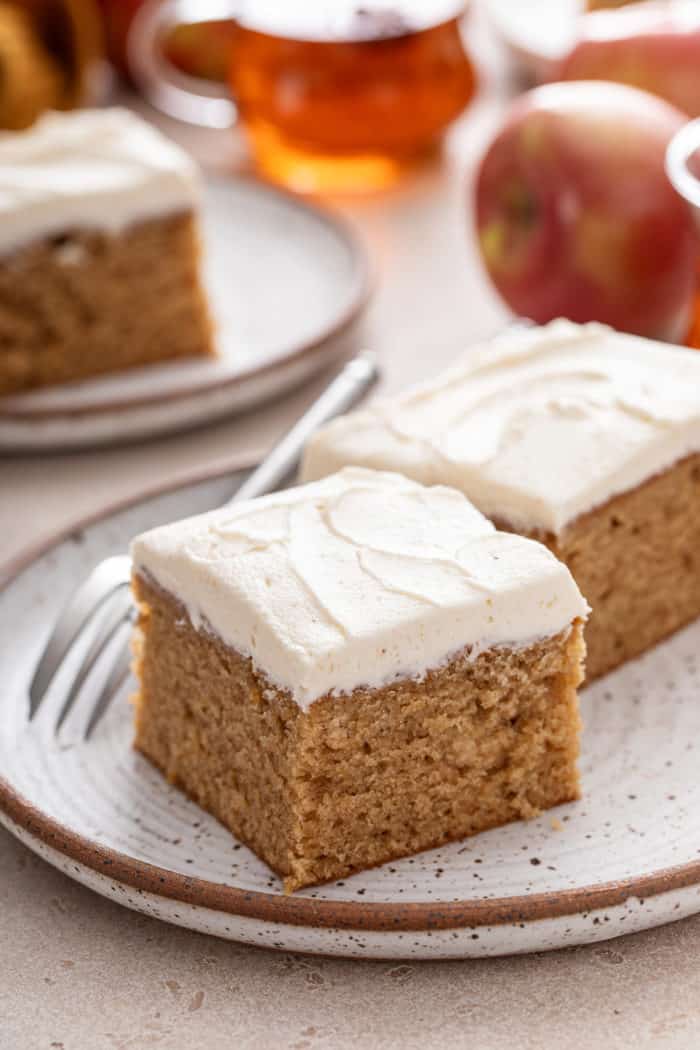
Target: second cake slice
x: 575, y: 435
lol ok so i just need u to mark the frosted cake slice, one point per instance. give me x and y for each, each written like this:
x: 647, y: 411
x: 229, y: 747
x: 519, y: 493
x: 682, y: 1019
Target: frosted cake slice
x: 99, y: 250
x: 354, y: 670
x: 581, y: 437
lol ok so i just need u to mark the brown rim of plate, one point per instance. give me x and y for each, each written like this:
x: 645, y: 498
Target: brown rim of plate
x: 365, y: 283
x: 294, y: 910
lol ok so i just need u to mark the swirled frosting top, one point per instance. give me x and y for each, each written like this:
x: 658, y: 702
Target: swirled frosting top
x: 358, y: 580
x: 536, y: 427
x: 90, y: 169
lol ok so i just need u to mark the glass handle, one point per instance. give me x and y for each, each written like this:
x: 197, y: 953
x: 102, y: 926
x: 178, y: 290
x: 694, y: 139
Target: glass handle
x: 186, y: 98
x: 684, y: 145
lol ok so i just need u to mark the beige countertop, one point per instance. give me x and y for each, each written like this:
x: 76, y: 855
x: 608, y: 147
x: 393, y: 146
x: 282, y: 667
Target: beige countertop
x: 79, y: 973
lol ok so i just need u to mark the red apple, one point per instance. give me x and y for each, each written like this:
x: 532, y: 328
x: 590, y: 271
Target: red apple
x: 653, y: 46
x: 575, y: 214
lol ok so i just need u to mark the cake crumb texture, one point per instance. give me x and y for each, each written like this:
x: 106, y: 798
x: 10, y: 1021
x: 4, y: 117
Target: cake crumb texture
x: 85, y: 303
x: 637, y: 563
x: 361, y: 779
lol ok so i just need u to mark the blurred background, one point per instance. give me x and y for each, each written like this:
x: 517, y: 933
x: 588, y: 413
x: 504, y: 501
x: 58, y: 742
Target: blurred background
x: 556, y: 115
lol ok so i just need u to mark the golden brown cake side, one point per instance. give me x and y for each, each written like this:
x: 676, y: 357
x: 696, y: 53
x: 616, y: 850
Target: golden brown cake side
x: 636, y: 560
x: 87, y: 303
x: 358, y: 780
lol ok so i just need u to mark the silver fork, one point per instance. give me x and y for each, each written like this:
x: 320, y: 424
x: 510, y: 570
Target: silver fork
x: 105, y: 596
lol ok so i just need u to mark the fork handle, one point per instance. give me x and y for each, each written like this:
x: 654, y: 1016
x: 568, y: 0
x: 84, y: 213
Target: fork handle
x: 349, y: 386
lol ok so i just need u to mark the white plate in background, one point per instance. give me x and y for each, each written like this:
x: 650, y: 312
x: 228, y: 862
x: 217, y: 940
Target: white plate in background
x: 288, y: 283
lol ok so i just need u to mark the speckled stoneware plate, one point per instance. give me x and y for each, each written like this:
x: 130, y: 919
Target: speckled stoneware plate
x: 536, y: 33
x: 625, y: 858
x: 287, y: 283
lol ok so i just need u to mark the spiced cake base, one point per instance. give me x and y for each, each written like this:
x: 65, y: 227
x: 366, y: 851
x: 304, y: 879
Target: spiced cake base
x: 637, y: 562
x: 356, y: 780
x: 87, y: 303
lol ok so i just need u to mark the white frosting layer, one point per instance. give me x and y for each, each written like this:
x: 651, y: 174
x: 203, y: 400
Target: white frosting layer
x: 536, y: 427
x: 358, y: 580
x: 91, y: 169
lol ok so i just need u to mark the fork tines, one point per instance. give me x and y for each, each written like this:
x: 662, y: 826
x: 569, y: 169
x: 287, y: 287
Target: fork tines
x: 104, y: 596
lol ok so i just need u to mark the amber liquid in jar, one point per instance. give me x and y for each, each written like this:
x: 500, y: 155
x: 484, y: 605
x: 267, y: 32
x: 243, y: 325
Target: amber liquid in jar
x: 345, y: 101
